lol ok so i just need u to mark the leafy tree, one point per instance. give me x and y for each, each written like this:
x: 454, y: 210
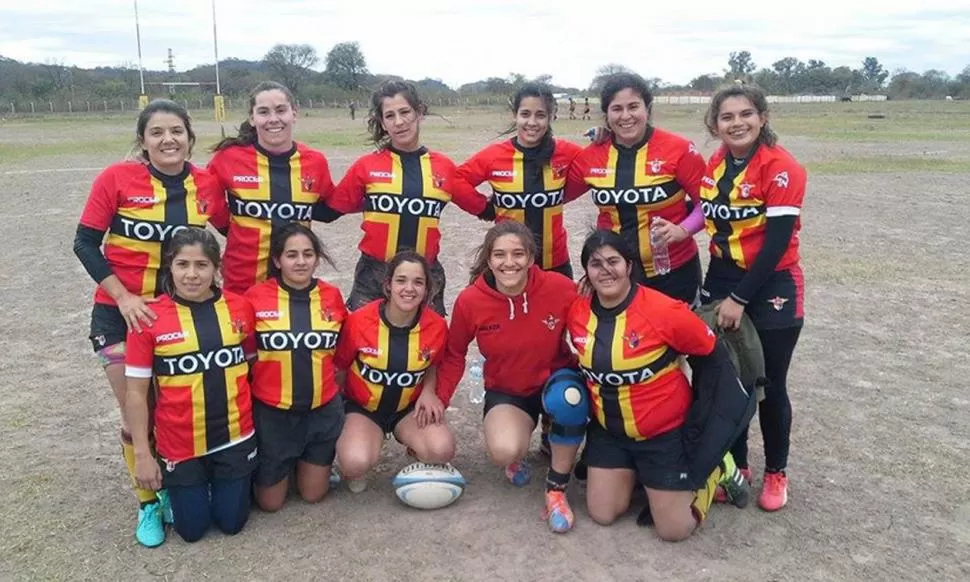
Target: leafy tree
x: 873, y: 73
x: 346, y: 66
x: 290, y: 64
x: 603, y: 73
x: 740, y: 65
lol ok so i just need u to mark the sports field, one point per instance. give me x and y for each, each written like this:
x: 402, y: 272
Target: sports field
x: 881, y: 438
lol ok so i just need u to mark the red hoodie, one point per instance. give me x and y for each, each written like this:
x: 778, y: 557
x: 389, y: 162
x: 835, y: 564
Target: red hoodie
x: 522, y: 338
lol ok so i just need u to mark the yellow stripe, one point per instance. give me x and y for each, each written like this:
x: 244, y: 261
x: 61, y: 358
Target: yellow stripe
x: 316, y: 356
x: 378, y: 362
x: 619, y: 362
x: 431, y: 190
x: 548, y: 236
x: 230, y: 337
x: 192, y: 204
x: 188, y: 345
x: 586, y: 360
x: 232, y: 376
x: 609, y: 180
x: 646, y: 251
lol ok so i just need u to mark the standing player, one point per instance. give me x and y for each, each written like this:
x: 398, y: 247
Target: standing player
x: 297, y: 409
x: 139, y: 205
x: 572, y: 108
x: 402, y: 189
x: 194, y: 358
x: 528, y: 175
x: 389, y: 348
x: 270, y: 180
x: 645, y: 178
x: 586, y: 114
x: 629, y: 340
x: 752, y: 196
x: 516, y: 312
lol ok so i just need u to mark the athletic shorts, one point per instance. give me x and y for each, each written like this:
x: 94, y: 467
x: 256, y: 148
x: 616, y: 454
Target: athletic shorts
x: 778, y: 304
x: 659, y: 462
x: 369, y: 284
x: 386, y: 421
x: 682, y: 283
x: 564, y: 269
x: 108, y: 327
x: 239, y: 460
x: 531, y: 405
x: 288, y: 436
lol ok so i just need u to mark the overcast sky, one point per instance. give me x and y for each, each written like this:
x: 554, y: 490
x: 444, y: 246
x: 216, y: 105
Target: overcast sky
x: 459, y: 41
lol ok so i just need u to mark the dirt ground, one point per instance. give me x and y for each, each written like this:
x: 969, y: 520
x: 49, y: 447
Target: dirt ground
x: 880, y: 443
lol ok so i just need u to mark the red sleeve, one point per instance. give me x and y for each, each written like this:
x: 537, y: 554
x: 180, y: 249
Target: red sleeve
x: 139, y: 354
x: 325, y: 179
x: 348, y: 196
x: 475, y: 169
x: 452, y: 365
x: 215, y: 198
x: 463, y: 193
x: 346, y: 344
x: 690, y: 170
x: 102, y: 204
x: 336, y: 303
x: 576, y: 184
x: 784, y: 187
x: 683, y: 330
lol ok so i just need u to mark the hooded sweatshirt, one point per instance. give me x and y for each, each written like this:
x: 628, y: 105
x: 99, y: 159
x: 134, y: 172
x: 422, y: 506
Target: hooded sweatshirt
x: 522, y: 338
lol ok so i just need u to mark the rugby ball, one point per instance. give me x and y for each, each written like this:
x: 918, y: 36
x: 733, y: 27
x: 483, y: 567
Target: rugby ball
x: 425, y: 486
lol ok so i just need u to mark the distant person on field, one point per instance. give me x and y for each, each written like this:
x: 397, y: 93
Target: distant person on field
x: 353, y: 110
x: 139, y: 205
x: 586, y: 114
x: 572, y: 108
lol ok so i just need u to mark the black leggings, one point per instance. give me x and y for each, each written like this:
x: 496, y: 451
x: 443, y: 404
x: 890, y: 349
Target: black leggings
x: 774, y: 412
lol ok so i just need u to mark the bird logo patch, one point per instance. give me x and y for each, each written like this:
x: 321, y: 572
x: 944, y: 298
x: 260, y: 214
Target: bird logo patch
x: 551, y: 321
x: 778, y: 303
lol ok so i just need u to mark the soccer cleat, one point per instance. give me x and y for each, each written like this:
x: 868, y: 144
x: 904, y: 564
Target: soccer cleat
x: 150, y: 531
x: 774, y: 494
x: 165, y: 507
x: 519, y: 474
x: 736, y: 487
x: 335, y: 477
x: 558, y: 513
x: 720, y: 496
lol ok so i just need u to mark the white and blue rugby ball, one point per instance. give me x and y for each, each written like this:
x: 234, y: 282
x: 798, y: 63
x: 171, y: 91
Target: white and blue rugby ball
x: 425, y: 486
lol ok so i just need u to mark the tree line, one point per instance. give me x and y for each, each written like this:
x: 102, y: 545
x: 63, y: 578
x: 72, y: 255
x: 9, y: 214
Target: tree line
x: 345, y: 77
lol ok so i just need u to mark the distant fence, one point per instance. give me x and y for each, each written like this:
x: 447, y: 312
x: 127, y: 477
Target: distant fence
x: 705, y: 99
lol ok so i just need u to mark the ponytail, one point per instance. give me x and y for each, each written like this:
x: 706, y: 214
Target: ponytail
x: 246, y: 136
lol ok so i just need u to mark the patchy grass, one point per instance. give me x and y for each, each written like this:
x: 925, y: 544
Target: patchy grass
x: 888, y: 165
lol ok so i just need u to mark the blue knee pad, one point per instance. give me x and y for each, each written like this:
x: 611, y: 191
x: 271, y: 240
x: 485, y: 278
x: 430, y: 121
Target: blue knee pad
x: 566, y: 403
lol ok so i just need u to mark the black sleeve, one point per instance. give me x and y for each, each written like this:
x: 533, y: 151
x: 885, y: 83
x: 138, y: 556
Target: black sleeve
x: 87, y: 247
x: 489, y: 212
x: 323, y: 213
x: 778, y: 233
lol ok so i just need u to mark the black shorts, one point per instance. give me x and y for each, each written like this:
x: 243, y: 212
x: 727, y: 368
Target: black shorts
x: 108, y: 327
x: 288, y: 436
x: 531, y: 405
x: 387, y: 422
x: 564, y: 269
x: 237, y: 461
x: 369, y: 284
x: 778, y: 304
x: 659, y: 462
x: 683, y: 283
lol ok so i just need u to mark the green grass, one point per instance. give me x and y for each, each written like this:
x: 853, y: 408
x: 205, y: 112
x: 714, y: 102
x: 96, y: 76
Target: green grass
x: 888, y: 165
x: 12, y: 153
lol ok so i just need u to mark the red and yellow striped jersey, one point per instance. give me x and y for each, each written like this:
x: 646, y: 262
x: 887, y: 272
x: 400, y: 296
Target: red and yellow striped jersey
x: 630, y: 357
x: 633, y: 185
x: 263, y: 190
x: 195, y: 352
x: 738, y: 196
x: 140, y: 208
x: 295, y: 341
x: 527, y: 191
x: 402, y: 195
x: 385, y: 364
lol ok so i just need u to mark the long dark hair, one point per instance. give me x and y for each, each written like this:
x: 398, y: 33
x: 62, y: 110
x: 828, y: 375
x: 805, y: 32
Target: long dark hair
x: 141, y: 125
x: 388, y: 89
x: 620, y: 81
x: 246, y: 135
x: 544, y: 151
x: 752, y: 93
x: 598, y: 239
x: 484, y: 251
x: 284, y: 233
x: 187, y: 237
x: 409, y: 256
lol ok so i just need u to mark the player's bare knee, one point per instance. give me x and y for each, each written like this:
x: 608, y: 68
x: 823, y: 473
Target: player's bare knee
x: 674, y: 530
x: 601, y: 515
x: 505, y: 452
x: 355, y: 463
x: 440, y: 451
x: 314, y: 494
x: 270, y: 503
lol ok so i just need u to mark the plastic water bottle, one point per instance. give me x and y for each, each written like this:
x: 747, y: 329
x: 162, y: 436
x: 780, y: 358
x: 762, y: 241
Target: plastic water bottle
x: 476, y: 388
x: 658, y: 248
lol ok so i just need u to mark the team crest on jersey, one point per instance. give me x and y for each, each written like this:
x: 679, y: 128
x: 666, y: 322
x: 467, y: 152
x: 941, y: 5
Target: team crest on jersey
x: 201, y: 205
x: 307, y: 182
x: 656, y: 166
x: 327, y: 314
x: 781, y: 179
x: 632, y: 339
x: 778, y: 303
x: 551, y: 321
x: 559, y: 171
x: 437, y: 180
x: 426, y: 354
x: 692, y: 149
x: 238, y: 326
x: 744, y: 189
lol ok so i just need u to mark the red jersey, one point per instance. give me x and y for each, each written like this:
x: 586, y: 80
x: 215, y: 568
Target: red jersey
x: 521, y: 338
x: 141, y: 208
x: 295, y: 341
x: 195, y: 352
x: 633, y: 185
x: 630, y: 357
x: 738, y: 198
x: 528, y: 192
x: 402, y: 195
x: 264, y: 190
x: 386, y: 364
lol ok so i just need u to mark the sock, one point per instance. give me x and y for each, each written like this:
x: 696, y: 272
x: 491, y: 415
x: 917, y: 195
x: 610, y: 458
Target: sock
x: 556, y: 481
x: 145, y: 496
x: 705, y: 496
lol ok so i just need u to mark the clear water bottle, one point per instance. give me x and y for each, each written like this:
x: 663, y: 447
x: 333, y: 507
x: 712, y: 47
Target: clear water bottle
x: 476, y: 386
x: 658, y: 248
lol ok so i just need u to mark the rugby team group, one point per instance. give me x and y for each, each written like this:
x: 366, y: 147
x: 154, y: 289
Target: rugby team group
x: 239, y: 371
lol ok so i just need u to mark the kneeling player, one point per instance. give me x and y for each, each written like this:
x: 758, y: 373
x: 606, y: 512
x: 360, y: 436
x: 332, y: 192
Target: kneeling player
x: 389, y: 348
x: 297, y: 408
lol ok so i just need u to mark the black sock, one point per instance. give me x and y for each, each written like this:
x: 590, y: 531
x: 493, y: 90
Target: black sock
x: 556, y: 481
x: 769, y: 470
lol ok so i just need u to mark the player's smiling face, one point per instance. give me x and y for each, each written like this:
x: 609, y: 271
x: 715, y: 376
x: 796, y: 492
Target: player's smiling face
x: 273, y: 117
x: 739, y: 124
x: 167, y: 142
x: 627, y: 117
x: 509, y: 262
x: 408, y: 287
x: 193, y: 273
x: 531, y: 121
x: 298, y: 261
x: 609, y: 274
x: 402, y: 122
